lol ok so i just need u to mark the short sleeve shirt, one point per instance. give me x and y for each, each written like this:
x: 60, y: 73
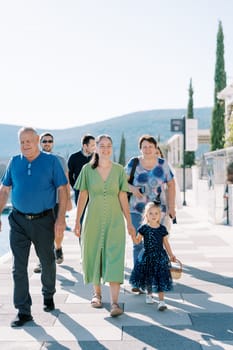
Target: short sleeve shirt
x: 34, y: 184
x: 153, y: 181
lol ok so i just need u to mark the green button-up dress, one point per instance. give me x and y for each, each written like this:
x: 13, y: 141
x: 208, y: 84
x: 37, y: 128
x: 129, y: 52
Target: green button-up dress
x: 103, y: 229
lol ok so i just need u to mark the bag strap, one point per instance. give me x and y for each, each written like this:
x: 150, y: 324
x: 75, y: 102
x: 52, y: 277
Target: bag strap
x: 131, y: 176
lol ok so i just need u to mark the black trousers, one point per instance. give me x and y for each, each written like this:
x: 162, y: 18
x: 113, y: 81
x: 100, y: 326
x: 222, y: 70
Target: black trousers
x: 40, y: 233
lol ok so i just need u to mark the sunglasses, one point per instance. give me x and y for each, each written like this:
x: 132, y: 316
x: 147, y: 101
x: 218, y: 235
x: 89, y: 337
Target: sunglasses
x: 47, y: 141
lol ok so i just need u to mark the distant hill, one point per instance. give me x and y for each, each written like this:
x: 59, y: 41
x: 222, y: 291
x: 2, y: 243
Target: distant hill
x: 67, y: 141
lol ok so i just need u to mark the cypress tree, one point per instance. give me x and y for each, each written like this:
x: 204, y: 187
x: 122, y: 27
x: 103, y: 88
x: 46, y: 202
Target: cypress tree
x: 218, y: 125
x: 190, y: 155
x: 122, y: 151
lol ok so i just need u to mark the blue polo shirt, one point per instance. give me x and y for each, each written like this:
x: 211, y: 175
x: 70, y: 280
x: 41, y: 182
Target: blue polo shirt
x: 34, y: 184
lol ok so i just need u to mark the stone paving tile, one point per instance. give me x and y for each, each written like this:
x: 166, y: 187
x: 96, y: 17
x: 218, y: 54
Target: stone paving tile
x: 161, y: 338
x: 219, y: 268
x: 188, y: 258
x: 206, y: 278
x: 39, y: 318
x: 203, y: 265
x: 216, y: 345
x: 171, y: 318
x: 11, y: 345
x: 182, y: 288
x: 97, y: 345
x: 209, y: 288
x: 79, y: 308
x: 4, y: 270
x: 215, y: 325
x: 72, y: 331
x: 212, y: 252
x: 6, y: 308
x: 209, y: 241
x: 208, y: 303
x: 218, y: 259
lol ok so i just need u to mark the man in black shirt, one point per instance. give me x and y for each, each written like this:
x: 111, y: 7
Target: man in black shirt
x: 77, y: 160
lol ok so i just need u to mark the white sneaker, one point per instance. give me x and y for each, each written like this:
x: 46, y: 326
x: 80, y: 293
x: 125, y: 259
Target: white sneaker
x: 149, y: 299
x: 161, y: 306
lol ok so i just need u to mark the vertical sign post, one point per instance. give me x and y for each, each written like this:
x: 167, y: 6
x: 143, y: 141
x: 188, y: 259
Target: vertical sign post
x: 179, y: 125
x: 189, y: 128
x: 184, y: 148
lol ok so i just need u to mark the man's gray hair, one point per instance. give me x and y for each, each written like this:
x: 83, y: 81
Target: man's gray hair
x: 26, y: 129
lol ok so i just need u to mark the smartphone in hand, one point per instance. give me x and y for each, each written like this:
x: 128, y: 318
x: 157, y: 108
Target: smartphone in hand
x: 142, y: 189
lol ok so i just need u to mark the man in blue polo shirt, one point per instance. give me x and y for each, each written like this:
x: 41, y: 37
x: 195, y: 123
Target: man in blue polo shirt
x: 33, y: 177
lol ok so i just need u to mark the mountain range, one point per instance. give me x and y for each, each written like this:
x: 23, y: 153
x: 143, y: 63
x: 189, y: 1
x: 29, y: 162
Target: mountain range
x: 133, y: 125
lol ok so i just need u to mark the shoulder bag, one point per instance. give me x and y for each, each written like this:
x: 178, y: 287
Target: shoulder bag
x: 131, y: 176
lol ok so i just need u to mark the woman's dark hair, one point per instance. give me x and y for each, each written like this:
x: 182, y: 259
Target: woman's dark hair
x: 147, y: 138
x: 95, y: 158
x: 160, y: 151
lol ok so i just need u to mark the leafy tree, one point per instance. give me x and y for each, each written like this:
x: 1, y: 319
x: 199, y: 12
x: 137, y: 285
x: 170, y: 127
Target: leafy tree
x: 190, y: 155
x: 218, y: 126
x: 122, y: 151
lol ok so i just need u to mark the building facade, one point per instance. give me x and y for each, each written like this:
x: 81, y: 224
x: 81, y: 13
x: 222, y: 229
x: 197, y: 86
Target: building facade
x: 226, y: 95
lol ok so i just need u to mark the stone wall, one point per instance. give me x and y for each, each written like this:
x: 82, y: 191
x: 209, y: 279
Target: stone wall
x: 210, y: 199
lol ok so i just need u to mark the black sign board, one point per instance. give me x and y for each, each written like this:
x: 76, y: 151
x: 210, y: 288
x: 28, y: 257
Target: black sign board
x: 177, y: 125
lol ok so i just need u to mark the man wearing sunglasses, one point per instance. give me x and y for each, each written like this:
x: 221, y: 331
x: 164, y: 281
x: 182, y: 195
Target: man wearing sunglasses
x: 47, y: 144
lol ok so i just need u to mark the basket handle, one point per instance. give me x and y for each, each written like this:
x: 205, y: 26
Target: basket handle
x: 179, y: 262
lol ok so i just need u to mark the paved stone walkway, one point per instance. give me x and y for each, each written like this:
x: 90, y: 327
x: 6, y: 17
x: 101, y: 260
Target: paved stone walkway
x: 200, y: 309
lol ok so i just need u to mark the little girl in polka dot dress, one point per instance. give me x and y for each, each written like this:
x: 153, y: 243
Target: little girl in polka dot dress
x: 151, y: 271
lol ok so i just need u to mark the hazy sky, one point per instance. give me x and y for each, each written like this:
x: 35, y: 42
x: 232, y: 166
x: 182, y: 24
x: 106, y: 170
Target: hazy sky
x: 81, y: 61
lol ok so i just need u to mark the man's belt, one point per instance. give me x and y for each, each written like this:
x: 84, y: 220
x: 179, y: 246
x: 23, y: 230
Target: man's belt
x: 34, y: 216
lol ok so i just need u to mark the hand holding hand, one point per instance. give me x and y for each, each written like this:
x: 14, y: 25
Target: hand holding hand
x: 131, y: 230
x: 134, y: 239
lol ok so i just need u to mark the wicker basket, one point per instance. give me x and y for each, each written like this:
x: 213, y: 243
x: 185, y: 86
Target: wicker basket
x: 176, y: 269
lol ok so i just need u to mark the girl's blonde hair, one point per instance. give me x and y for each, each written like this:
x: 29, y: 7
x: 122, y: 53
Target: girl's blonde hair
x: 147, y: 208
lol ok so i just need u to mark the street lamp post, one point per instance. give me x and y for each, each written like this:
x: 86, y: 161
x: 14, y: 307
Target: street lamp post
x: 189, y: 128
x: 179, y: 125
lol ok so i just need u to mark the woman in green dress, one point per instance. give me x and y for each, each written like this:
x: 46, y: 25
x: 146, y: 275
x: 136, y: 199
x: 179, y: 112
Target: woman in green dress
x: 104, y: 184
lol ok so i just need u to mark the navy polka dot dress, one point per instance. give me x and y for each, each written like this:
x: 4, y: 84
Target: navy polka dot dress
x: 151, y: 271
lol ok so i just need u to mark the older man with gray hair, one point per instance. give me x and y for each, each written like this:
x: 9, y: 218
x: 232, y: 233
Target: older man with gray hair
x: 33, y: 177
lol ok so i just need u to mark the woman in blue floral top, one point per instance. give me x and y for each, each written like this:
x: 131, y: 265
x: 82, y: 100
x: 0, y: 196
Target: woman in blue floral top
x: 150, y: 176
